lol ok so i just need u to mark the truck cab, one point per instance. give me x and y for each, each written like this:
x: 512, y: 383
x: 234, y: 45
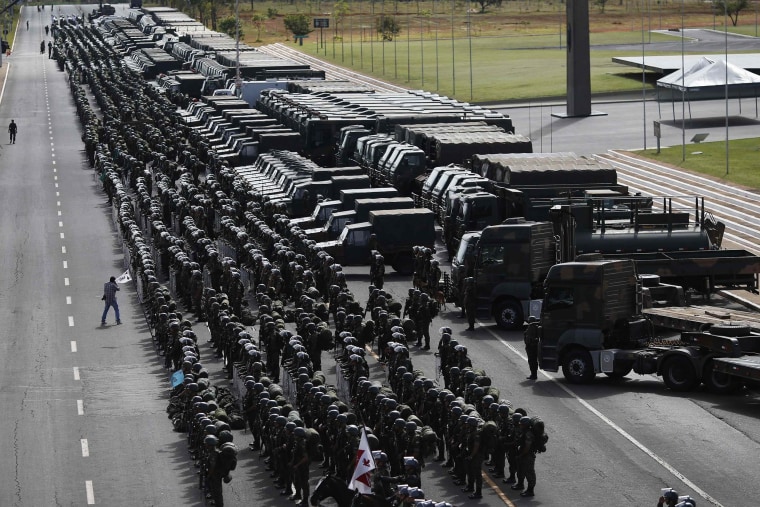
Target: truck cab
x: 319, y: 216
x: 511, y: 262
x: 334, y: 226
x: 462, y: 264
x: 404, y: 167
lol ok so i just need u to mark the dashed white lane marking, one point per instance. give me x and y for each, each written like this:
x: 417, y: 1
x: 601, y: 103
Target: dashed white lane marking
x: 58, y: 203
x: 56, y: 185
x: 63, y: 249
x: 55, y: 170
x: 73, y: 346
x: 85, y: 448
x: 55, y: 178
x: 65, y: 264
x: 53, y: 162
x: 80, y: 407
x: 60, y: 223
x: 90, y: 493
x: 667, y: 466
x: 62, y: 236
x: 68, y: 300
x: 71, y: 321
x: 59, y: 213
x: 66, y: 281
x: 76, y: 373
x: 58, y: 194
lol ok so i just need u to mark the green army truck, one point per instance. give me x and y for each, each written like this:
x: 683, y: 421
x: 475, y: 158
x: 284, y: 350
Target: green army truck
x: 331, y: 202
x: 397, y: 231
x: 592, y: 321
x: 672, y: 245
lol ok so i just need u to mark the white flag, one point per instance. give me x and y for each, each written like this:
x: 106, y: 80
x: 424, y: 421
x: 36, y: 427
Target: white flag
x: 124, y: 278
x: 362, y: 479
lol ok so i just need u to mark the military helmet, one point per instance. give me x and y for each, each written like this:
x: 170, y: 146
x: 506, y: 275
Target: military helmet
x: 411, y: 462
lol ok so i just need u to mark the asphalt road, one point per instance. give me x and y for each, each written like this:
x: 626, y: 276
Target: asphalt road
x: 84, y: 422
x: 629, y: 124
x: 83, y: 419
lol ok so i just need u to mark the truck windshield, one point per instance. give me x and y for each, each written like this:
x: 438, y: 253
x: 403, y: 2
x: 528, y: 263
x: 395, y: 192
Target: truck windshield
x: 558, y: 298
x: 462, y: 252
x: 357, y: 237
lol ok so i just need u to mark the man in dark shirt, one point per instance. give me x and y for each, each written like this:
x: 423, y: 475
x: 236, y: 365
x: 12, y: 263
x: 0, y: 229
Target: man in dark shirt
x: 12, y: 129
x: 109, y: 297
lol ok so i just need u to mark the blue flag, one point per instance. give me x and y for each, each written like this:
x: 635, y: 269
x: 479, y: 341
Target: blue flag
x: 177, y: 378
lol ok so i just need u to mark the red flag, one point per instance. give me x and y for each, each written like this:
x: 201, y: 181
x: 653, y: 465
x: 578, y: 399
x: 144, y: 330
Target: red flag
x: 362, y: 478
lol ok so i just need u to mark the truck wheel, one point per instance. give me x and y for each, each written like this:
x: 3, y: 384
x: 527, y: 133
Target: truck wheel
x: 578, y: 367
x: 729, y: 330
x: 718, y: 382
x: 508, y: 314
x: 678, y: 374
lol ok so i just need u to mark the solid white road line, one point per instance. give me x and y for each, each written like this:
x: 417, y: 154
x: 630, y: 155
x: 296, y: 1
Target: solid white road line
x: 614, y: 426
x: 90, y: 493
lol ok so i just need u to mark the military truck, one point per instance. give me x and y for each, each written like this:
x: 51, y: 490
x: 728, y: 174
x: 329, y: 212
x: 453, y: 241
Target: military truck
x: 592, y: 321
x: 324, y: 182
x: 397, y: 232
x: 510, y: 260
x: 346, y: 213
x: 331, y: 202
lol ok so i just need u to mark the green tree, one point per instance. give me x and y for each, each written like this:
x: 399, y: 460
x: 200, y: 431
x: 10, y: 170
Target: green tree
x: 341, y: 9
x: 387, y: 26
x: 298, y: 24
x: 732, y: 8
x: 258, y: 20
x: 485, y: 3
x: 227, y: 25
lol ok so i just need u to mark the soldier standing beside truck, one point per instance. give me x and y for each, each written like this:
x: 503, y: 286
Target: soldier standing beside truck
x: 531, y: 347
x: 470, y: 302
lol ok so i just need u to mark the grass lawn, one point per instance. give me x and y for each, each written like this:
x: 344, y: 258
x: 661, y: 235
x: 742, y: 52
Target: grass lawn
x: 743, y: 157
x: 515, y: 51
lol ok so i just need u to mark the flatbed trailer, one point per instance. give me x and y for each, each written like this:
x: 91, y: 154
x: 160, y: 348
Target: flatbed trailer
x: 700, y: 318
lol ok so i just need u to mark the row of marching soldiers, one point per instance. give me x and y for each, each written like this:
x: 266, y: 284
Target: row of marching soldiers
x: 466, y: 423
x: 458, y: 436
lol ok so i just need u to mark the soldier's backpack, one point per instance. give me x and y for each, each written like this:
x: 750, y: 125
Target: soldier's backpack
x: 488, y: 435
x: 228, y: 455
x: 313, y: 444
x: 540, y: 438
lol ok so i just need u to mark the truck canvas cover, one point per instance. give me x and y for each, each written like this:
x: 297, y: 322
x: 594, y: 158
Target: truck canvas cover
x: 404, y: 227
x: 528, y: 247
x: 544, y: 169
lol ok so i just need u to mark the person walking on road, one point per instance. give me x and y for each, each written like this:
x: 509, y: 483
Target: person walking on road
x: 27, y: 25
x: 12, y: 130
x: 109, y: 296
x: 50, y: 50
x: 42, y: 47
